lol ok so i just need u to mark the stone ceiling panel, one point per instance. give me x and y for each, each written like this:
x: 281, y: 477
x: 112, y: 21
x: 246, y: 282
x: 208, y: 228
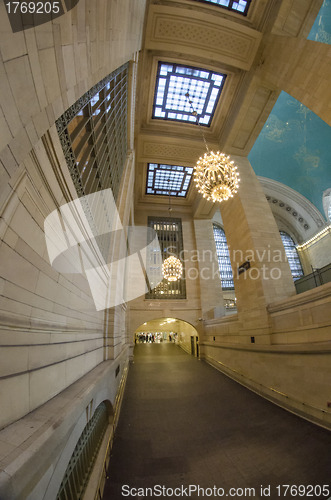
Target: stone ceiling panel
x: 220, y: 40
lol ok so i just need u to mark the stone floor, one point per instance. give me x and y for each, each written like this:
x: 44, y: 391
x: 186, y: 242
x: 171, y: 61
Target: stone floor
x: 184, y: 423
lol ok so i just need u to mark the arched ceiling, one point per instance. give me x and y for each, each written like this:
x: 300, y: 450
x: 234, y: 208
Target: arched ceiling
x: 294, y: 148
x: 294, y: 145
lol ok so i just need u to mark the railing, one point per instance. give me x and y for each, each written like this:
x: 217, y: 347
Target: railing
x: 117, y: 406
x: 84, y: 455
x: 317, y: 278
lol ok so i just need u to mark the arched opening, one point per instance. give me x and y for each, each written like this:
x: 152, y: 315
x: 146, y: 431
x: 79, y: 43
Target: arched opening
x: 169, y: 330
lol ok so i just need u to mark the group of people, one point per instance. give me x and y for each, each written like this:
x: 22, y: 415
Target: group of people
x: 152, y: 337
x: 145, y: 337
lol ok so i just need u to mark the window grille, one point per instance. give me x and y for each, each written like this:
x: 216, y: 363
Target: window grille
x: 223, y: 256
x: 174, y: 81
x: 170, y: 235
x: 329, y: 212
x: 84, y: 455
x: 292, y: 255
x: 93, y: 135
x: 240, y: 6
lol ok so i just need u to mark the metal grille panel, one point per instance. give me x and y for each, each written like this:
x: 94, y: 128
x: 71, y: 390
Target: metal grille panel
x: 84, y: 455
x: 93, y: 135
x: 170, y: 235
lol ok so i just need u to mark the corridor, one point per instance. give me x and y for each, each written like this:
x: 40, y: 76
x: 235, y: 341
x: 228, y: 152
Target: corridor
x: 184, y: 423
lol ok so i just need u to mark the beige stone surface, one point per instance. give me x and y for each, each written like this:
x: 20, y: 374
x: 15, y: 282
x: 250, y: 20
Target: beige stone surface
x: 54, y: 342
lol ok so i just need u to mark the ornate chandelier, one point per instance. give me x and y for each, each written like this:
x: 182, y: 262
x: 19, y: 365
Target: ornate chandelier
x: 215, y: 175
x: 172, y: 268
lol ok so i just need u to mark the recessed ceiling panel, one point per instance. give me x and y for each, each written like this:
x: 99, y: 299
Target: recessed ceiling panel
x: 174, y: 81
x: 168, y: 179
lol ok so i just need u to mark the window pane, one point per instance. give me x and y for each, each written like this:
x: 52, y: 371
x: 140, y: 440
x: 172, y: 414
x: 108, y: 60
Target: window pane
x: 223, y: 255
x: 292, y: 255
x: 240, y: 6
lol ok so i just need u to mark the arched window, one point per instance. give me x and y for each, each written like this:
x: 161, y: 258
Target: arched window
x: 223, y: 258
x: 292, y: 255
x: 329, y: 212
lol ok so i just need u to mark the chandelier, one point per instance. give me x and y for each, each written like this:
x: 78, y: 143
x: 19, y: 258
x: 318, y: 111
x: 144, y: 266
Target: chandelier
x: 172, y: 268
x: 215, y: 175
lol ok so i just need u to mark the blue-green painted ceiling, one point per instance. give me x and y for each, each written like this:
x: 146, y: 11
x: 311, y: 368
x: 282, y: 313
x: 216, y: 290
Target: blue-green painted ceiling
x: 294, y: 146
x: 321, y: 30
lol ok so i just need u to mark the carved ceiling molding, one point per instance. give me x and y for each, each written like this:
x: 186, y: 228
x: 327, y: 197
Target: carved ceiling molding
x: 282, y: 189
x: 158, y: 152
x: 284, y: 225
x: 206, y: 9
x: 288, y: 208
x: 222, y: 40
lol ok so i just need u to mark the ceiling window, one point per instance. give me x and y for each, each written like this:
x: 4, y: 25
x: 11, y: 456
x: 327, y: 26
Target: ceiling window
x: 168, y: 179
x: 240, y: 6
x: 174, y: 81
x: 292, y: 255
x: 223, y: 256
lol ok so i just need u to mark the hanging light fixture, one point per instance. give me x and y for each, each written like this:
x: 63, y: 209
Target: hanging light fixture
x: 172, y: 268
x: 215, y: 175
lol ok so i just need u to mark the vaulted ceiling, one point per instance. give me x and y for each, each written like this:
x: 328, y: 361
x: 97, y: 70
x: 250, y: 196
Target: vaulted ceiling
x: 207, y: 36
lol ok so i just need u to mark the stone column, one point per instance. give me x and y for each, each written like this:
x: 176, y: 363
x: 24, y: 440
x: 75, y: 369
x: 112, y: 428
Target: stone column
x: 210, y: 284
x: 252, y: 234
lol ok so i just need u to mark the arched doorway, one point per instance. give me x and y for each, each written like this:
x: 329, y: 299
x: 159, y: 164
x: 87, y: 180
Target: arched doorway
x: 173, y: 330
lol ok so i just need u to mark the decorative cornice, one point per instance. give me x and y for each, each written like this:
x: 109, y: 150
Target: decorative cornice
x: 289, y: 209
x: 204, y: 34
x: 298, y: 198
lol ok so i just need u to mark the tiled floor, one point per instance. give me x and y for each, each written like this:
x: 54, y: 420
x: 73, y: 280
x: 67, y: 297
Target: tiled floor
x: 184, y: 423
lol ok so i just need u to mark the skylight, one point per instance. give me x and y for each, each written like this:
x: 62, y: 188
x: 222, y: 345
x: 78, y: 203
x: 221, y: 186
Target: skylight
x: 164, y: 178
x: 174, y: 81
x: 240, y: 6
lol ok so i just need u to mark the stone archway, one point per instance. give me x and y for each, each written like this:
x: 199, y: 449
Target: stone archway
x: 164, y: 329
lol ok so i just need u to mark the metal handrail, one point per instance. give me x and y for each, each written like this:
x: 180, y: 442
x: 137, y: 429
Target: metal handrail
x: 117, y: 406
x: 269, y: 388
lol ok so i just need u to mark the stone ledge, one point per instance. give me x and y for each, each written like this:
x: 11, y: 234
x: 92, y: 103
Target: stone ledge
x: 321, y: 292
